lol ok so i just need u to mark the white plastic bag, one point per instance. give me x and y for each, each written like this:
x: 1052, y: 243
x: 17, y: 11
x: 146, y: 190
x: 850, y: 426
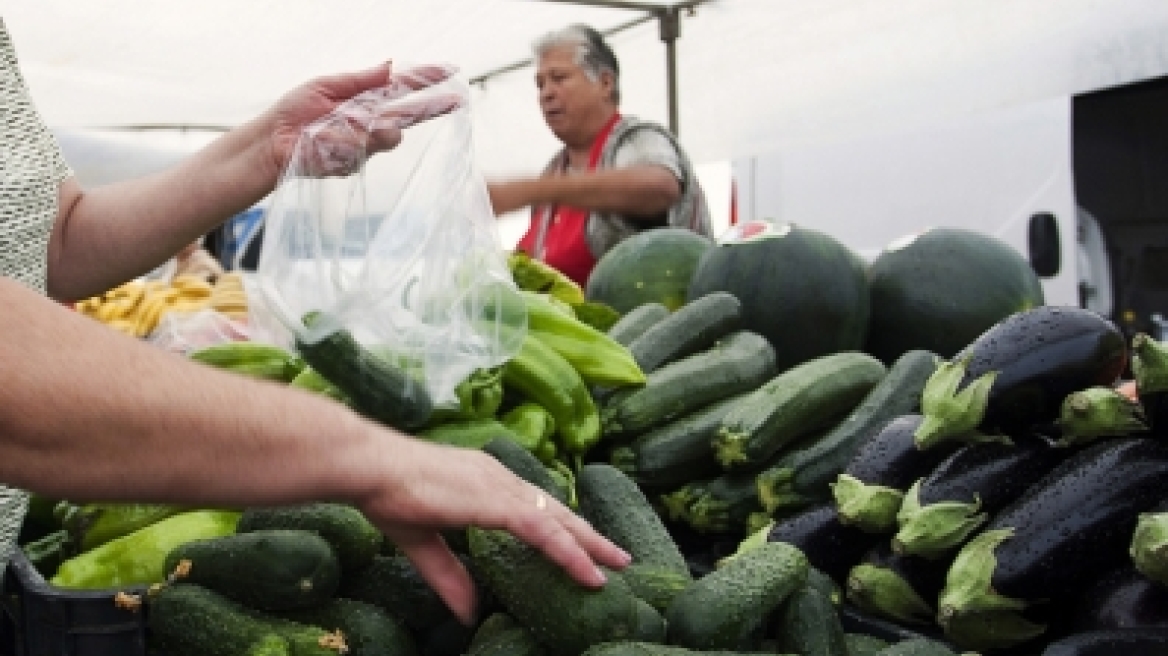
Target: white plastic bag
x: 402, y: 249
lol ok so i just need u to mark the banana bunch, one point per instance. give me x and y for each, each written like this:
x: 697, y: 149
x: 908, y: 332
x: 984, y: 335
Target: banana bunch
x: 136, y: 307
x: 229, y: 298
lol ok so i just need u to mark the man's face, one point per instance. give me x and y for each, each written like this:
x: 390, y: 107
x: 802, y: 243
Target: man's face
x: 567, y: 96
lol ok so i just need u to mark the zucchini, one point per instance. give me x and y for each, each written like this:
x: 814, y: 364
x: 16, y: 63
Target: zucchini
x: 1070, y: 526
x: 368, y: 630
x: 393, y: 584
x: 738, y: 363
x: 1015, y: 376
x: 561, y: 614
x: 268, y: 570
x: 352, y: 537
x: 727, y: 608
x: 803, y: 476
x: 636, y: 321
x: 800, y: 401
x: 619, y: 511
x: 190, y: 620
x: 808, y: 624
x: 524, y: 465
x: 1112, y: 642
x: 375, y: 387
x: 678, y: 452
x: 694, y: 327
x: 830, y: 545
x: 897, y: 587
x: 723, y: 505
x: 941, y: 510
x: 870, y: 490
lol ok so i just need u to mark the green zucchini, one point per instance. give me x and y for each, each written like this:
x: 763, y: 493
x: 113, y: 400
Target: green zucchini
x: 636, y: 321
x: 272, y: 569
x: 495, y: 624
x: 726, y: 609
x: 678, y: 452
x: 796, y: 403
x: 512, y: 641
x: 694, y: 327
x: 375, y: 387
x: 723, y: 505
x: 354, y: 539
x: 738, y: 363
x: 803, y: 476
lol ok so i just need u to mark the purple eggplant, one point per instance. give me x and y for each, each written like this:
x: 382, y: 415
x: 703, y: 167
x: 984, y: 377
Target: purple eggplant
x: 830, y: 545
x: 1016, y: 375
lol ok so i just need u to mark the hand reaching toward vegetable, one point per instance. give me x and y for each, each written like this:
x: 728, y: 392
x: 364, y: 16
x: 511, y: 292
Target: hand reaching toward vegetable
x: 436, y: 487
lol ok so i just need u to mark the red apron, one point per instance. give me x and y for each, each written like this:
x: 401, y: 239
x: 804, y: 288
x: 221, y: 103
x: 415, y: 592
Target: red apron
x: 561, y: 242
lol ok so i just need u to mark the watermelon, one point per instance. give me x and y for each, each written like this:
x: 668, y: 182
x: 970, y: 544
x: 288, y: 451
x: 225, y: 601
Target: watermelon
x: 940, y: 289
x: 800, y: 288
x: 653, y: 266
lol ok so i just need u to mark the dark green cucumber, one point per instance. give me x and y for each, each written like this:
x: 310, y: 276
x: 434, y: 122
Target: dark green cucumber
x: 860, y: 644
x: 367, y: 629
x: 820, y: 581
x: 737, y: 364
x: 917, y: 647
x: 561, y: 614
x: 513, y: 641
x: 525, y: 466
x: 636, y: 321
x: 268, y: 570
x: 727, y: 608
x: 353, y: 538
x: 393, y: 584
x: 450, y: 638
x: 723, y: 505
x: 495, y: 625
x: 808, y: 624
x: 190, y: 620
x: 375, y: 387
x: 803, y: 476
x: 650, y: 623
x: 617, y: 508
x: 678, y: 452
x: 796, y: 403
x: 694, y: 327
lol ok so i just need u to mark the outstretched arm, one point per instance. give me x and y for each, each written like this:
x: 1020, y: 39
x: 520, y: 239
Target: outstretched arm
x: 637, y: 191
x: 87, y: 413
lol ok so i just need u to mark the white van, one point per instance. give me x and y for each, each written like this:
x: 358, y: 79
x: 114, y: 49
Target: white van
x: 1079, y: 185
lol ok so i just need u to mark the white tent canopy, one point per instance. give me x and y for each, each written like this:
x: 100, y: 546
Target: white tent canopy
x: 754, y: 75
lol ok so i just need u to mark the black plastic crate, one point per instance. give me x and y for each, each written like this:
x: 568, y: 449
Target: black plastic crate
x: 39, y: 619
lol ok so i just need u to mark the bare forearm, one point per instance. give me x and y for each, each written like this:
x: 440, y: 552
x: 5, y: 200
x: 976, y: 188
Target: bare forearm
x: 640, y: 191
x: 107, y: 235
x: 86, y: 413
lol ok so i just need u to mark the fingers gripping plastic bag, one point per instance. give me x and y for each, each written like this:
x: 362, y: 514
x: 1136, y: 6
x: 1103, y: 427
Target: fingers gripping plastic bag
x: 386, y: 272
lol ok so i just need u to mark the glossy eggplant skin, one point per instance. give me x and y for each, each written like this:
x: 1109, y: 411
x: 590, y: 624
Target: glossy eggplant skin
x: 1075, y: 524
x: 830, y: 545
x: 1041, y: 356
x: 891, y: 458
x: 993, y: 472
x: 1112, y: 642
x: 1122, y: 599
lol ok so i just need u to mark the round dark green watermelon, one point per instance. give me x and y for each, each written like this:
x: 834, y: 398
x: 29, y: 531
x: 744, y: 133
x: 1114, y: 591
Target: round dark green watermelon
x: 940, y: 289
x: 800, y: 288
x: 653, y: 266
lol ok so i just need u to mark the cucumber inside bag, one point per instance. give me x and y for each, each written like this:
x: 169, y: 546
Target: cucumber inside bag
x: 397, y: 248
